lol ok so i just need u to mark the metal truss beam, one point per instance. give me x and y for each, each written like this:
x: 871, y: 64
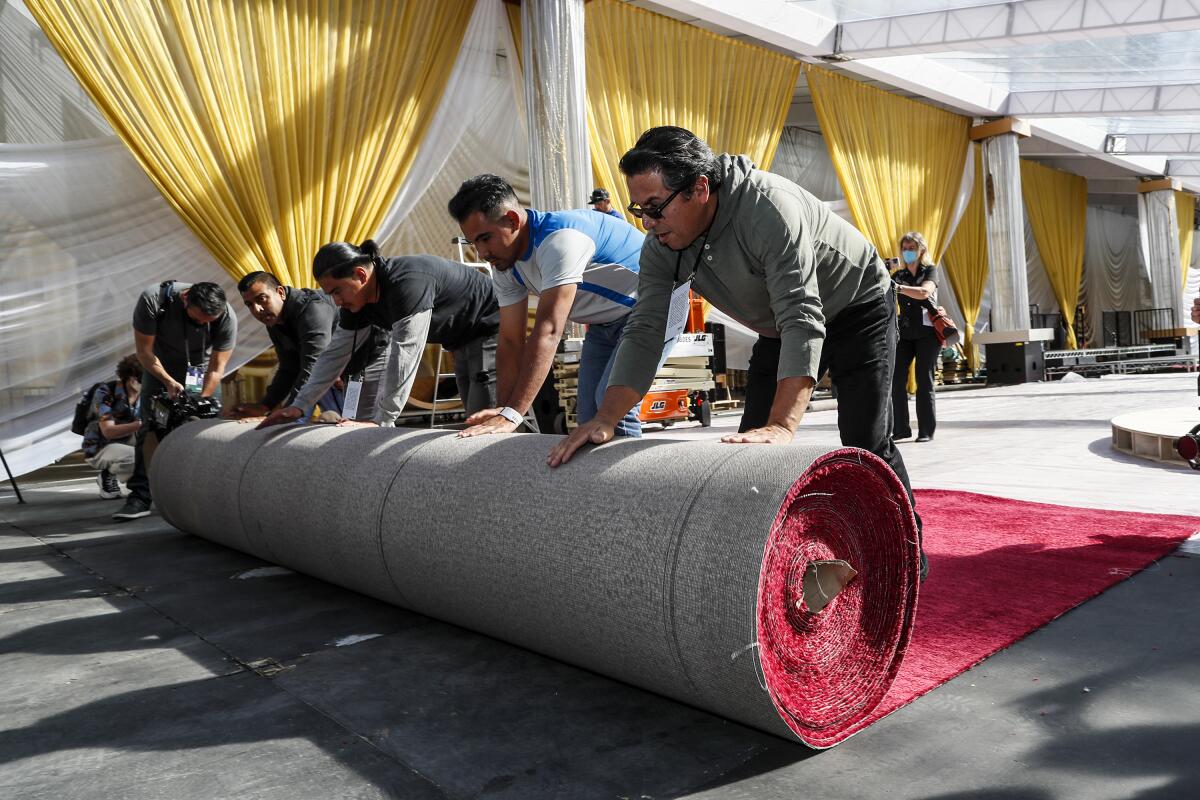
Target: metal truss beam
x: 1158, y: 144
x: 1019, y: 22
x: 1183, y: 168
x: 1123, y: 101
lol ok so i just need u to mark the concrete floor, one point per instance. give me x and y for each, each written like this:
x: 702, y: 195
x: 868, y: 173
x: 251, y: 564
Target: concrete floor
x: 139, y: 662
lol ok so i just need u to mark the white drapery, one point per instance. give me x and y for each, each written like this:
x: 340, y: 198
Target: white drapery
x: 1114, y: 273
x: 82, y: 233
x: 473, y: 87
x: 1160, y: 248
x: 803, y: 158
x: 552, y: 47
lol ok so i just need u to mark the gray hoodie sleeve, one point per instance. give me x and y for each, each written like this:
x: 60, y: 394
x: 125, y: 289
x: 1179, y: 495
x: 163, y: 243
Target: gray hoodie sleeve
x: 325, y: 371
x: 403, y: 359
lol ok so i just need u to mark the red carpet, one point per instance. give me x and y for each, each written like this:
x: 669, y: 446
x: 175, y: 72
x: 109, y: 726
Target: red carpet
x: 982, y: 553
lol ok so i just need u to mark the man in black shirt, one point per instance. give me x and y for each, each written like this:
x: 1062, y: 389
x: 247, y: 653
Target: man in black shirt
x: 301, y: 323
x: 419, y: 299
x: 184, y: 335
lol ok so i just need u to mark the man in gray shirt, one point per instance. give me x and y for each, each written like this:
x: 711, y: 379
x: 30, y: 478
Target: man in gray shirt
x: 184, y: 335
x: 773, y: 257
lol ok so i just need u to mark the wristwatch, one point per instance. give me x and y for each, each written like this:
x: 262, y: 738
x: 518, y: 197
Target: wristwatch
x: 512, y: 415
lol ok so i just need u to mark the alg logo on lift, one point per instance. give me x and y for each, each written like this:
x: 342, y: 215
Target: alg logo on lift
x: 658, y: 405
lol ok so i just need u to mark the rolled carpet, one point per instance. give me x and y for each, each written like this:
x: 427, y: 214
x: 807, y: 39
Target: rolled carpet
x: 709, y: 573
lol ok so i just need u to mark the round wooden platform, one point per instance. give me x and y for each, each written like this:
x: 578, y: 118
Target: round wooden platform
x: 1151, y: 434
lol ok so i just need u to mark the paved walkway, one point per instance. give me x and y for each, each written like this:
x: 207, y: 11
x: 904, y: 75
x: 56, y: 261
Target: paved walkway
x: 139, y: 662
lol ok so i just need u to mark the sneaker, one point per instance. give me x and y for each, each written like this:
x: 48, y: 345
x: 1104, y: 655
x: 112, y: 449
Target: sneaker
x: 134, y: 508
x: 110, y: 489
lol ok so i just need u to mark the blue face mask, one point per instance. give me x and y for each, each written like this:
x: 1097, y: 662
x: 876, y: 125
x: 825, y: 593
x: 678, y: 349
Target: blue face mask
x: 909, y: 256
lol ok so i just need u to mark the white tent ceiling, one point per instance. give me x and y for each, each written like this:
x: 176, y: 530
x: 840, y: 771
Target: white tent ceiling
x: 1078, y: 70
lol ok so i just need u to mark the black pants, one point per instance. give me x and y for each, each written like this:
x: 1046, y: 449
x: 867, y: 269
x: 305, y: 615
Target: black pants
x: 475, y: 373
x: 860, y: 345
x: 139, y: 482
x: 925, y: 350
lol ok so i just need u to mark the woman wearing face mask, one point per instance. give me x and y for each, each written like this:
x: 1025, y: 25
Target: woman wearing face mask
x: 916, y: 289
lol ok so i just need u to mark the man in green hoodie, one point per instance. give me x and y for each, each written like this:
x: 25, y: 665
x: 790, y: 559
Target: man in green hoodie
x: 773, y: 257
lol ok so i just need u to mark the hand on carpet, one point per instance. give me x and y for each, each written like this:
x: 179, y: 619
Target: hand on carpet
x: 496, y: 424
x: 482, y: 415
x: 591, y: 432
x: 768, y: 434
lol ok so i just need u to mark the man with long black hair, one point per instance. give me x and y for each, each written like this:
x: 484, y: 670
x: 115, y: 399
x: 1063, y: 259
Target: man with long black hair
x: 419, y: 299
x: 774, y: 257
x: 184, y: 335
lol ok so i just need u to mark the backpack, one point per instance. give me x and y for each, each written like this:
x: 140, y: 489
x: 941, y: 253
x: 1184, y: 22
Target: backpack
x: 83, y: 408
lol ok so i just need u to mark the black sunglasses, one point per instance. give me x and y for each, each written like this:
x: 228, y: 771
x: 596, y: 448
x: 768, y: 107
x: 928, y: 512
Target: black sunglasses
x: 653, y: 212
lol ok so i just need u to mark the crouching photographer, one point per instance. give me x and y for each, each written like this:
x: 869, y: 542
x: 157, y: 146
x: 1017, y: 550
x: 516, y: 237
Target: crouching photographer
x: 185, y: 335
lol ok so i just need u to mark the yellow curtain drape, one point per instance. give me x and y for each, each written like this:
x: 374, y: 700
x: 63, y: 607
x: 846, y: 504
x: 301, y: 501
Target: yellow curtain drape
x: 1185, y: 214
x: 1056, y: 202
x: 899, y: 161
x: 645, y: 69
x: 966, y: 260
x: 271, y: 126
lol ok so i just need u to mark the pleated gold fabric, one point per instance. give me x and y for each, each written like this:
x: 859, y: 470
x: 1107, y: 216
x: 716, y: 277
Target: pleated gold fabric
x: 644, y: 69
x: 1185, y: 213
x: 900, y: 162
x: 270, y: 126
x: 1056, y: 203
x: 966, y: 260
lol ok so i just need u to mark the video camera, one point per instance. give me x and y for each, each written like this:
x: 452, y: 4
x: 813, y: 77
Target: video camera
x: 167, y: 414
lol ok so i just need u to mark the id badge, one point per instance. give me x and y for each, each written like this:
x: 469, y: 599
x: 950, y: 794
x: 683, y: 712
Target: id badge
x: 681, y: 304
x: 350, y: 401
x: 195, y: 379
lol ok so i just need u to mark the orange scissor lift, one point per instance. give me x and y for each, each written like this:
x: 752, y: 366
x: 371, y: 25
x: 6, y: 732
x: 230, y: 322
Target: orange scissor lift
x: 681, y: 389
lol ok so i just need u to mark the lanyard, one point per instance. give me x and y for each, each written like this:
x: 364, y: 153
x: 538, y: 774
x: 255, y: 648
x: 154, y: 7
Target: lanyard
x: 187, y: 341
x: 695, y: 264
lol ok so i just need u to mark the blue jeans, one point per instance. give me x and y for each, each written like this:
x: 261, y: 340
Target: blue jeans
x: 595, y: 364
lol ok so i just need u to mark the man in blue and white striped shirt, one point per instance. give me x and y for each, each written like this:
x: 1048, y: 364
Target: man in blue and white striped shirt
x: 582, y: 267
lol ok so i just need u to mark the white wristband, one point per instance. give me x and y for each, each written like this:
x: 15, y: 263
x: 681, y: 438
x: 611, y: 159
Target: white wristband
x: 512, y: 415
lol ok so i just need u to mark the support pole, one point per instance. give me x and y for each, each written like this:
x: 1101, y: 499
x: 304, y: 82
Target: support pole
x: 552, y: 45
x: 11, y: 479
x: 1013, y: 349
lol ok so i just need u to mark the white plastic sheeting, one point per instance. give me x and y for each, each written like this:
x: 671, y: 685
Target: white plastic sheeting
x: 803, y: 158
x: 82, y: 233
x: 473, y: 86
x: 40, y: 100
x: 83, y: 230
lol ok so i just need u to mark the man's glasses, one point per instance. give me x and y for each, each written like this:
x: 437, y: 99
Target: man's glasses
x: 653, y: 212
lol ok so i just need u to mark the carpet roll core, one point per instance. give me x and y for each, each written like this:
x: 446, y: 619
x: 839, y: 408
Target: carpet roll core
x: 678, y: 567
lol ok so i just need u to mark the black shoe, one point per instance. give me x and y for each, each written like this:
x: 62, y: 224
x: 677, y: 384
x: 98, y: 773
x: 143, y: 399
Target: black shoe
x: 109, y: 488
x: 134, y: 508
x: 897, y: 436
x: 925, y: 438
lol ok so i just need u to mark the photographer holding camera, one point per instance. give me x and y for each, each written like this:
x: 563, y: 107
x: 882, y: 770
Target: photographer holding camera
x: 185, y: 335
